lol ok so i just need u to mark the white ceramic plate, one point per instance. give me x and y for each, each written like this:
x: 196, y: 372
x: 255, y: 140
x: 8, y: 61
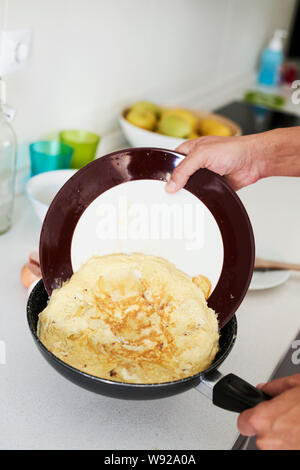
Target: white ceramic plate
x: 118, y: 204
x: 262, y: 280
x: 268, y: 279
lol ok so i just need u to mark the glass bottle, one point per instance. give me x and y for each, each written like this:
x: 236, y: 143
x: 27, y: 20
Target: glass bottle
x: 8, y: 150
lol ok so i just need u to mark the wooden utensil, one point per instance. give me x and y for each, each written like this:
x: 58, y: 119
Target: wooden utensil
x: 265, y: 265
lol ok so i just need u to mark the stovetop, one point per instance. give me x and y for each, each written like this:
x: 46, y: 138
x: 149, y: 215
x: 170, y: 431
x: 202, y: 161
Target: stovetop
x: 255, y: 119
x: 289, y: 365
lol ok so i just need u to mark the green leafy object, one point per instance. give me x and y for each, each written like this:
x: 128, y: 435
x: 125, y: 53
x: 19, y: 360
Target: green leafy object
x: 259, y: 98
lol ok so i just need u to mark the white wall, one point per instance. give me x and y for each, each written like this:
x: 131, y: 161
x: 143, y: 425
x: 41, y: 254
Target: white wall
x: 90, y: 57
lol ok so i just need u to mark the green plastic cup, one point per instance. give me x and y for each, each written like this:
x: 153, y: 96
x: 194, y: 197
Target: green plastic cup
x: 84, y: 143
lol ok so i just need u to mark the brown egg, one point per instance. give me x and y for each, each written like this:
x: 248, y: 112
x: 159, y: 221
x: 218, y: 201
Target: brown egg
x: 34, y: 257
x: 30, y: 273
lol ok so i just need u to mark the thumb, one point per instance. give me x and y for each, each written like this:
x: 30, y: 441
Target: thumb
x: 184, y: 170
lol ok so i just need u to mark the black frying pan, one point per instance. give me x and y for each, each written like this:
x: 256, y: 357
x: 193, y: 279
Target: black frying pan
x: 229, y: 392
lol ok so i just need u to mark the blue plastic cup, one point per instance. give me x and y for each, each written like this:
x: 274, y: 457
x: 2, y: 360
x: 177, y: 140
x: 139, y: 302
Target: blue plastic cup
x: 49, y: 155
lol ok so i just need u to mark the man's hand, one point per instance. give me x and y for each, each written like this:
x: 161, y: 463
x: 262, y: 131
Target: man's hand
x: 241, y: 160
x: 276, y: 423
x: 232, y: 157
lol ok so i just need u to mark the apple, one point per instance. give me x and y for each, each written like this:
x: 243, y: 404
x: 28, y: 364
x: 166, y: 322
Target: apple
x: 213, y: 127
x: 188, y: 116
x: 141, y: 106
x: 174, y: 126
x: 144, y: 119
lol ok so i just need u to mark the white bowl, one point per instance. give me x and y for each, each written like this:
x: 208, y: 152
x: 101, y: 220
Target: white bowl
x: 42, y: 188
x: 138, y: 137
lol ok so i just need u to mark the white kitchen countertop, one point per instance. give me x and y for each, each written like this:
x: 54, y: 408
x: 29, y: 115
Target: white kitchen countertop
x: 39, y: 409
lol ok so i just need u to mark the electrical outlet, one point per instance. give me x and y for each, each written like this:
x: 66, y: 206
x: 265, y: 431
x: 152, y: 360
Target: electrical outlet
x: 15, y: 50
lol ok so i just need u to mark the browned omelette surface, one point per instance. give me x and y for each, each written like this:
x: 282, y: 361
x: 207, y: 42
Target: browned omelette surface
x: 131, y: 318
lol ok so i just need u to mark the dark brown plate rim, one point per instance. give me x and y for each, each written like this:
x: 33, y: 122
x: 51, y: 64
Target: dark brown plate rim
x: 155, y: 164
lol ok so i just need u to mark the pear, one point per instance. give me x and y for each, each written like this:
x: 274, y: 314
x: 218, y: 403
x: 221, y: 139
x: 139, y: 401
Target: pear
x: 141, y: 106
x: 174, y: 126
x: 188, y: 116
x: 144, y: 119
x: 213, y: 127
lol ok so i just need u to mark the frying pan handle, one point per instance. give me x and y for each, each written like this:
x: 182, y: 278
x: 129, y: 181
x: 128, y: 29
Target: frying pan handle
x: 235, y: 394
x: 231, y: 392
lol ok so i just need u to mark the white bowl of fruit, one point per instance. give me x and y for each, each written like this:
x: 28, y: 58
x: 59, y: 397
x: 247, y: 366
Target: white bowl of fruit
x: 146, y: 124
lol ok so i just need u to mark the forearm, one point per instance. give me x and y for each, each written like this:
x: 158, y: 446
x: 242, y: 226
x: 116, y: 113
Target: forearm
x: 278, y: 152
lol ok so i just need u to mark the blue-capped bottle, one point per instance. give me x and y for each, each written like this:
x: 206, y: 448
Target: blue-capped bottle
x: 271, y: 61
